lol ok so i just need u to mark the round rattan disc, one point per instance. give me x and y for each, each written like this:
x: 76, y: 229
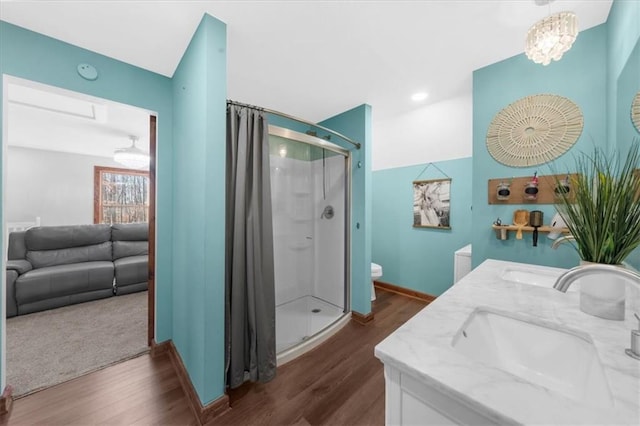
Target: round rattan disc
x: 635, y: 111
x: 534, y: 130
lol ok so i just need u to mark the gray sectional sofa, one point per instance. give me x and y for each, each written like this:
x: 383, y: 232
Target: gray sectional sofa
x: 53, y: 266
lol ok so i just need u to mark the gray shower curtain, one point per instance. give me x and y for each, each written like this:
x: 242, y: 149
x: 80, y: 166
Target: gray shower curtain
x: 250, y: 335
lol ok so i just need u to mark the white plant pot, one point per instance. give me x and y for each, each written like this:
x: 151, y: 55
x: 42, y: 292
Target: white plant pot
x: 602, y: 295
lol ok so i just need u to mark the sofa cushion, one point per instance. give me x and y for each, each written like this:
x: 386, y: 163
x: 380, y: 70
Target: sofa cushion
x: 61, y: 237
x: 130, y: 239
x: 130, y: 248
x: 58, y: 302
x: 66, y: 256
x: 132, y: 288
x: 130, y: 231
x: 131, y: 270
x: 63, y: 280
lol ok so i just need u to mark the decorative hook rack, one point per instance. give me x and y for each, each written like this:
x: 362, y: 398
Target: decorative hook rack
x: 546, y: 185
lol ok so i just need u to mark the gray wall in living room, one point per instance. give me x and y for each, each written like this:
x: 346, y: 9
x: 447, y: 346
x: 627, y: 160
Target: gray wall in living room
x: 56, y: 186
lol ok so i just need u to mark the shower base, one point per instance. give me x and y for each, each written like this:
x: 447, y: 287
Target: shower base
x: 299, y: 322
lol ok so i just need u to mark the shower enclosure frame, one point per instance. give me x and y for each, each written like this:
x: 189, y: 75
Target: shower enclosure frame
x: 326, y: 332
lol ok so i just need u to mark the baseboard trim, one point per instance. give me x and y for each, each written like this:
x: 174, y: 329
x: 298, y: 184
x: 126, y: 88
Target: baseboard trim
x: 362, y: 318
x: 404, y: 291
x: 158, y: 349
x: 203, y: 413
x: 6, y: 400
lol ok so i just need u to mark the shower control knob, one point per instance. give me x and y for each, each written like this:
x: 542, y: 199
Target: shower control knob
x: 327, y: 213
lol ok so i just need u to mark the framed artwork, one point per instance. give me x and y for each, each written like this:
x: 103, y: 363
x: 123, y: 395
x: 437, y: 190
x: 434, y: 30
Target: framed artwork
x: 432, y: 203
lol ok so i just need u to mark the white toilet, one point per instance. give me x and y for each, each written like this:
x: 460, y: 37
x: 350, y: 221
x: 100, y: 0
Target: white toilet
x: 376, y: 273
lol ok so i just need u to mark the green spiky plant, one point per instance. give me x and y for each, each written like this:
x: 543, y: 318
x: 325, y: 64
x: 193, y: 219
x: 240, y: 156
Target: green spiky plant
x: 603, y: 215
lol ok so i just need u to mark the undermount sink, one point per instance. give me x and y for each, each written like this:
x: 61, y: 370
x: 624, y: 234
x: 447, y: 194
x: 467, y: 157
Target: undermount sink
x: 561, y: 360
x: 531, y: 277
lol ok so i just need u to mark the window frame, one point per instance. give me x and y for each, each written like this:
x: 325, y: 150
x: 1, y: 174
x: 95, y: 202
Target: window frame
x: 97, y: 187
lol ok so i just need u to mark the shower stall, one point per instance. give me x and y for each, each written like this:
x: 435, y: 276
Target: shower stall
x: 310, y: 203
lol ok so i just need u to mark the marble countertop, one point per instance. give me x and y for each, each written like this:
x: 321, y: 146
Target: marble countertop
x: 422, y: 347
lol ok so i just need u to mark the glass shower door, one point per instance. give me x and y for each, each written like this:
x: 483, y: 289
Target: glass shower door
x: 308, y: 189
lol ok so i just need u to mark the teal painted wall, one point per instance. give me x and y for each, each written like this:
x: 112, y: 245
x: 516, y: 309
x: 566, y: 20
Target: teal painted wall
x: 32, y: 56
x: 580, y: 76
x: 628, y: 84
x: 356, y: 124
x: 277, y: 120
x: 199, y: 132
x: 623, y: 78
x: 623, y: 33
x: 419, y: 258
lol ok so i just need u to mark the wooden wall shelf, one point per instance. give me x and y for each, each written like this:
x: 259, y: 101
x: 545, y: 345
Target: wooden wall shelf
x: 529, y: 228
x: 546, y: 186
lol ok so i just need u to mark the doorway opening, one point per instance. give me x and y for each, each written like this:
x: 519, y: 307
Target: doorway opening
x: 79, y: 246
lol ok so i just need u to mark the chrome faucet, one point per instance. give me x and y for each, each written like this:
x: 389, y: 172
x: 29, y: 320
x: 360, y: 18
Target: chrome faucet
x: 564, y: 239
x: 565, y: 280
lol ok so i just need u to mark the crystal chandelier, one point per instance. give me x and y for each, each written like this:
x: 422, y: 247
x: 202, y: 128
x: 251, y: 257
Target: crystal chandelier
x: 549, y: 38
x: 132, y: 157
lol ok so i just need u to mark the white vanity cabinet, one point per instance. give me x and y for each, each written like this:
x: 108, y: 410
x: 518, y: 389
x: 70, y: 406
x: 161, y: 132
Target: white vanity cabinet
x: 429, y: 380
x: 409, y: 401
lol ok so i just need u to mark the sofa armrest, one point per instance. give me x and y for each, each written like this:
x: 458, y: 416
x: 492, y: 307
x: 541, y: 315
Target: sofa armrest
x: 20, y: 266
x: 11, y: 309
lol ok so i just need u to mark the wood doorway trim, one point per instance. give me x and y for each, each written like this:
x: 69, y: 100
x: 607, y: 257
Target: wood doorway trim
x: 151, y: 304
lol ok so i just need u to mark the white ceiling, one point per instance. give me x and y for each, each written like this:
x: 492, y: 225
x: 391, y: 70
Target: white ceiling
x: 312, y: 59
x: 48, y: 118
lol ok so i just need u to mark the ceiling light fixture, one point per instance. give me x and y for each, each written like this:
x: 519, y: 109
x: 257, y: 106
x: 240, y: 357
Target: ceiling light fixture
x: 551, y: 37
x: 132, y: 157
x: 419, y: 96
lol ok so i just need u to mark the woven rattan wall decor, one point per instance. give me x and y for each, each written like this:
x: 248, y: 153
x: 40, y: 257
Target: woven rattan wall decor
x: 534, y: 130
x: 635, y: 111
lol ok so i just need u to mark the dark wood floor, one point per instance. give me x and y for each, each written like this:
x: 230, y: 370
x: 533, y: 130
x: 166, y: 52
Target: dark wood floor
x: 338, y: 383
x: 142, y: 390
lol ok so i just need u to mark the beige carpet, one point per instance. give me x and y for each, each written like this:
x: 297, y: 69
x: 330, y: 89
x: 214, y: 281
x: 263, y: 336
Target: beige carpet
x: 51, y: 347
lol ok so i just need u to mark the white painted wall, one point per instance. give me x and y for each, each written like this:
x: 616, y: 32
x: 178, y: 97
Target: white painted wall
x: 437, y: 132
x: 56, y: 186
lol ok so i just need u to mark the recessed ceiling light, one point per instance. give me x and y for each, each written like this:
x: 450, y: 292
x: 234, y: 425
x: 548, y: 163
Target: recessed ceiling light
x: 419, y: 96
